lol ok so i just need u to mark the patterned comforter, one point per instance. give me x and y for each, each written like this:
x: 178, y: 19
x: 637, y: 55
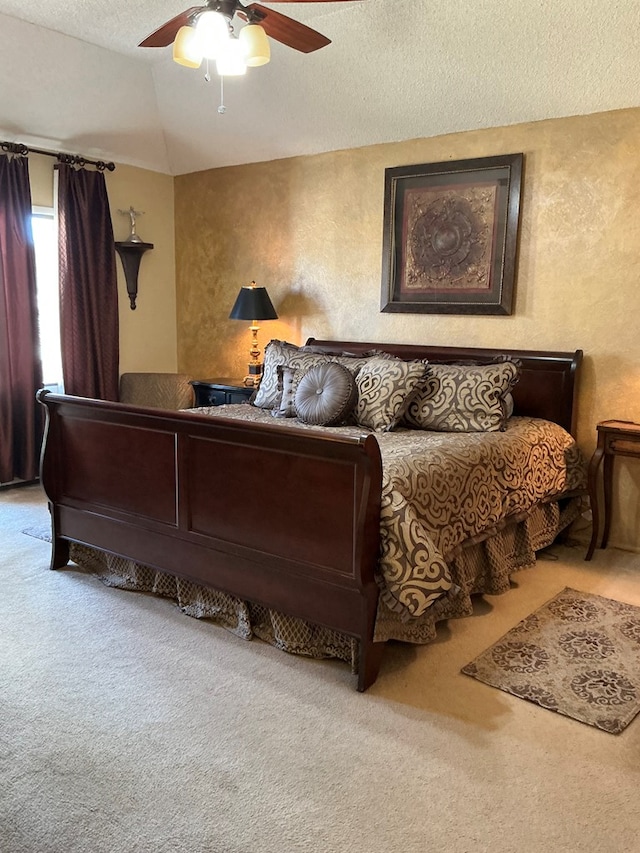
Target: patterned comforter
x: 440, y: 490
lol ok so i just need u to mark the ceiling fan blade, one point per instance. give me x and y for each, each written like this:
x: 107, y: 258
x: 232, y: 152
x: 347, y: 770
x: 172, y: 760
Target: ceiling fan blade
x: 165, y: 34
x: 286, y: 30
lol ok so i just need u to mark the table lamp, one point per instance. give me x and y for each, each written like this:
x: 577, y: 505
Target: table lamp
x: 253, y: 303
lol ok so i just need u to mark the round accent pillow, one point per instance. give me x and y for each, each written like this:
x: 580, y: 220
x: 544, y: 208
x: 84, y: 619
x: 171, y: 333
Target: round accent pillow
x: 325, y: 395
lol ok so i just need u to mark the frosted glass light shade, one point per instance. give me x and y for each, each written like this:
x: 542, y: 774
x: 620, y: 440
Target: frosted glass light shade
x: 186, y: 48
x: 230, y: 61
x: 255, y: 45
x: 213, y: 33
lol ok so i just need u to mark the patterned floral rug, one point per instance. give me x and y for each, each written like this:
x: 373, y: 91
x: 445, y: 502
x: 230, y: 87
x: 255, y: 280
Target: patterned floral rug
x: 578, y: 655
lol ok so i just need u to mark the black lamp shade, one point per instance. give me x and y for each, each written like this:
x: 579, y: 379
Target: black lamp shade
x: 253, y: 303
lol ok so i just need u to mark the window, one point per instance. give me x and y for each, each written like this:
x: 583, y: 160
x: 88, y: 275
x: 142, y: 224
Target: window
x: 45, y: 239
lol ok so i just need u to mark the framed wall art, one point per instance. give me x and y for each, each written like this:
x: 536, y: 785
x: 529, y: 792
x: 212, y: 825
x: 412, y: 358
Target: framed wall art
x: 450, y: 236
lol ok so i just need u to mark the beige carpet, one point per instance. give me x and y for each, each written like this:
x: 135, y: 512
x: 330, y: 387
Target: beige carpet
x: 128, y: 727
x: 578, y: 655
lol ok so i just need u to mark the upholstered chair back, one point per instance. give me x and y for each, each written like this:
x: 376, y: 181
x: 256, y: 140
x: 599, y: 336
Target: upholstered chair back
x: 157, y: 390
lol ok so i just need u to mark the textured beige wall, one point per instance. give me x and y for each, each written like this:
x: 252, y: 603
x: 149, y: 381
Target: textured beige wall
x: 41, y: 180
x: 148, y: 335
x: 148, y: 339
x: 310, y: 229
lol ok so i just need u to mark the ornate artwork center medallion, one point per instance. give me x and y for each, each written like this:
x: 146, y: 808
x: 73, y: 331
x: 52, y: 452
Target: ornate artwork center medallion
x: 449, y: 236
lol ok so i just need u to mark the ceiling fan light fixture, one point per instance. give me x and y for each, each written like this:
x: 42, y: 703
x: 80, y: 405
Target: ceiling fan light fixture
x: 255, y: 45
x: 186, y: 48
x: 206, y: 32
x: 212, y: 29
x: 230, y: 62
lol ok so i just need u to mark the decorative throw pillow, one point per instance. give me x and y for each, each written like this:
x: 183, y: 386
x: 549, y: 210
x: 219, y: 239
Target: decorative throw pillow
x: 325, y: 394
x: 275, y: 353
x: 463, y: 398
x: 281, y: 353
x: 285, y: 402
x: 508, y: 406
x: 385, y: 386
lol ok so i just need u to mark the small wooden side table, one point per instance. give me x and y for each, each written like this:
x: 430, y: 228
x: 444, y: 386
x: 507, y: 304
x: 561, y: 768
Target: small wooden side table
x: 615, y: 438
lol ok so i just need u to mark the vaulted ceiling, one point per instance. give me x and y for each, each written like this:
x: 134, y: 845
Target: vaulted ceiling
x: 73, y: 78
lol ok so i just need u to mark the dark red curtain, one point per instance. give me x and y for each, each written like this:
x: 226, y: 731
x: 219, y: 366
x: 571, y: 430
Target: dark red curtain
x: 20, y: 368
x: 88, y: 290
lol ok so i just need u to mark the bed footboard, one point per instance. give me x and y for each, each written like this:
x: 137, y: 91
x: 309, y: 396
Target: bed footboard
x: 281, y: 517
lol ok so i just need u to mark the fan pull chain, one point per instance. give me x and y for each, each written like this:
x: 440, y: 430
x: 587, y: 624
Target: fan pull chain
x: 221, y: 109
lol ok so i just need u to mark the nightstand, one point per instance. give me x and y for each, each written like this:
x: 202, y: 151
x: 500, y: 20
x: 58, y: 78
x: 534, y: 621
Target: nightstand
x: 217, y: 392
x: 615, y: 438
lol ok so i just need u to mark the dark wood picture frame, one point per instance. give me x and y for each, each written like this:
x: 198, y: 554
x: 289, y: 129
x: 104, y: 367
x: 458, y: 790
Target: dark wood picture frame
x: 450, y: 236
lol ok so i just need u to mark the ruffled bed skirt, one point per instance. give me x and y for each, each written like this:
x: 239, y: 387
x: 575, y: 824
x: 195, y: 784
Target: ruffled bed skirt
x: 481, y: 565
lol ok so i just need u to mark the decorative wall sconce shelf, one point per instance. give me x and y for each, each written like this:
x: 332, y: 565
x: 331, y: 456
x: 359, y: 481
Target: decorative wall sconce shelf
x: 131, y: 253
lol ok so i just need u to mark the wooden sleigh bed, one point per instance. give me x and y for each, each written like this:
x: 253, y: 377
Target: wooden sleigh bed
x: 283, y: 517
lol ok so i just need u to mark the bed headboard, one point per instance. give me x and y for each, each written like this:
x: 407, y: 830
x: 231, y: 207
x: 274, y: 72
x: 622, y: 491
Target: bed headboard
x: 547, y: 387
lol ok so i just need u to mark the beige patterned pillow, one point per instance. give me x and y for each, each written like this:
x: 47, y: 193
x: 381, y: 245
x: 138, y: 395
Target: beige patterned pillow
x: 385, y: 385
x: 463, y: 398
x: 281, y: 353
x: 275, y: 353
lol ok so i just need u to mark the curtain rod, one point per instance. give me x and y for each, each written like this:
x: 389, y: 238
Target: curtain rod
x: 70, y: 159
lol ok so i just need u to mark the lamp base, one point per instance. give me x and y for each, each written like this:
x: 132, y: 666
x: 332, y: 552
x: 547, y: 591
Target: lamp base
x: 252, y: 379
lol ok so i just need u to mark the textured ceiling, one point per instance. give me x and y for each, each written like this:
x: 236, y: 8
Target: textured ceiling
x: 74, y: 80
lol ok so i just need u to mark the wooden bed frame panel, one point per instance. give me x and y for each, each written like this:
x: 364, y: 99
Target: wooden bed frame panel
x: 246, y: 508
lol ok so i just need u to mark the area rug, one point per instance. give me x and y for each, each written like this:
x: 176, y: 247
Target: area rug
x: 39, y: 532
x: 578, y: 655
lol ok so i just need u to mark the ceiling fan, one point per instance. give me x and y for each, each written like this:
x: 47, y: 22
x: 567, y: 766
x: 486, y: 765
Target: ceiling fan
x: 274, y: 24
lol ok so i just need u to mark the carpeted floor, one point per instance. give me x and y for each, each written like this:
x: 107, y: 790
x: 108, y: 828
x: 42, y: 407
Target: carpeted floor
x: 127, y: 727
x: 578, y: 655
